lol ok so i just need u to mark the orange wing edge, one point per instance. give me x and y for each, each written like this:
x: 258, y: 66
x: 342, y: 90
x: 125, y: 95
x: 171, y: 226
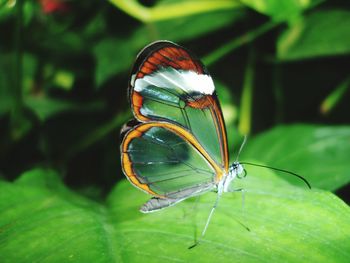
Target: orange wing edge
x: 140, y: 129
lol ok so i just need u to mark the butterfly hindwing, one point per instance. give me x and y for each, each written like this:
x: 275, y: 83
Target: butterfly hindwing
x: 170, y: 84
x: 166, y: 161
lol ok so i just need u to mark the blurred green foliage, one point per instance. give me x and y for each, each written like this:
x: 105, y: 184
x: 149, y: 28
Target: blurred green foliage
x: 64, y: 72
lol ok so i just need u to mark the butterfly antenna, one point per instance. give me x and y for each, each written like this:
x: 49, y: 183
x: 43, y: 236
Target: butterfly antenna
x: 241, y: 147
x: 207, y: 223
x: 280, y: 170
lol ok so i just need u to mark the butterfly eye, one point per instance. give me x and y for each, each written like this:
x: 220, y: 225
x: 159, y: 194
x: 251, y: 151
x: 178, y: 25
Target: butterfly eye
x: 242, y: 175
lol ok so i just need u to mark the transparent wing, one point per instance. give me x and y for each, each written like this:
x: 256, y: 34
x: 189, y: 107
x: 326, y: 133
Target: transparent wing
x: 166, y: 161
x: 170, y: 84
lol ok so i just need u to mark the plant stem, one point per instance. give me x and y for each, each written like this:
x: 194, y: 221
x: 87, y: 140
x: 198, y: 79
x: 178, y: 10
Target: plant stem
x: 245, y: 118
x: 278, y: 93
x: 336, y: 95
x: 17, y: 81
x: 18, y: 125
x: 97, y: 134
x: 238, y: 42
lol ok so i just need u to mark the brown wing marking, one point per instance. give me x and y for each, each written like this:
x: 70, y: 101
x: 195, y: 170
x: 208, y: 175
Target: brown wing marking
x: 175, y: 57
x: 136, y: 102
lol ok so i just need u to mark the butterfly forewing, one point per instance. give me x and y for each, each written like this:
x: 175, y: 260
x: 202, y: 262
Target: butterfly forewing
x: 169, y: 84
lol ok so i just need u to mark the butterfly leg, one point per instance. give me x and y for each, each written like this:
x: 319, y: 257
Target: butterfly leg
x: 208, y: 221
x: 242, y: 190
x: 193, y: 209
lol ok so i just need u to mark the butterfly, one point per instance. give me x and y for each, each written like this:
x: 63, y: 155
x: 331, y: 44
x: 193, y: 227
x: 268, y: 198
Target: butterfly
x: 176, y: 147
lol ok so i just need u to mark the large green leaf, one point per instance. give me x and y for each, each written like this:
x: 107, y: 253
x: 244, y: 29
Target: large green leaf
x: 322, y: 33
x: 41, y: 220
x: 319, y: 153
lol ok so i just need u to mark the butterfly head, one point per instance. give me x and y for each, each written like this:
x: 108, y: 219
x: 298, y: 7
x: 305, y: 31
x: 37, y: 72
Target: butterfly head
x: 235, y: 170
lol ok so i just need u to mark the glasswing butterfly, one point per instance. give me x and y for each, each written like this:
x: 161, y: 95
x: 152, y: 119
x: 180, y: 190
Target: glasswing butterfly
x: 176, y: 147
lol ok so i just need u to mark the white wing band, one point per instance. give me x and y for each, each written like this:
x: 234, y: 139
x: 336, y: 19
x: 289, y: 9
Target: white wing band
x: 188, y: 81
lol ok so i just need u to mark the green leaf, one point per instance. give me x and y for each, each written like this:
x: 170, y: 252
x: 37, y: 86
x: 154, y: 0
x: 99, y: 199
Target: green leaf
x: 114, y: 56
x: 280, y: 10
x: 6, y: 9
x: 45, y: 107
x: 319, y: 153
x: 98, y: 133
x: 189, y: 28
x: 43, y: 226
x: 323, y: 33
x: 236, y: 43
x: 172, y: 9
x: 64, y: 79
x: 41, y: 220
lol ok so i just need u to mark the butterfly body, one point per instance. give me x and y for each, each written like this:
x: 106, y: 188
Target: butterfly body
x: 176, y: 147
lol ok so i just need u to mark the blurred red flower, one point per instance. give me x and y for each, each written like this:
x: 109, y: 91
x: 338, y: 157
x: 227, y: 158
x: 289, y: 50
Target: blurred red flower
x: 53, y: 6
